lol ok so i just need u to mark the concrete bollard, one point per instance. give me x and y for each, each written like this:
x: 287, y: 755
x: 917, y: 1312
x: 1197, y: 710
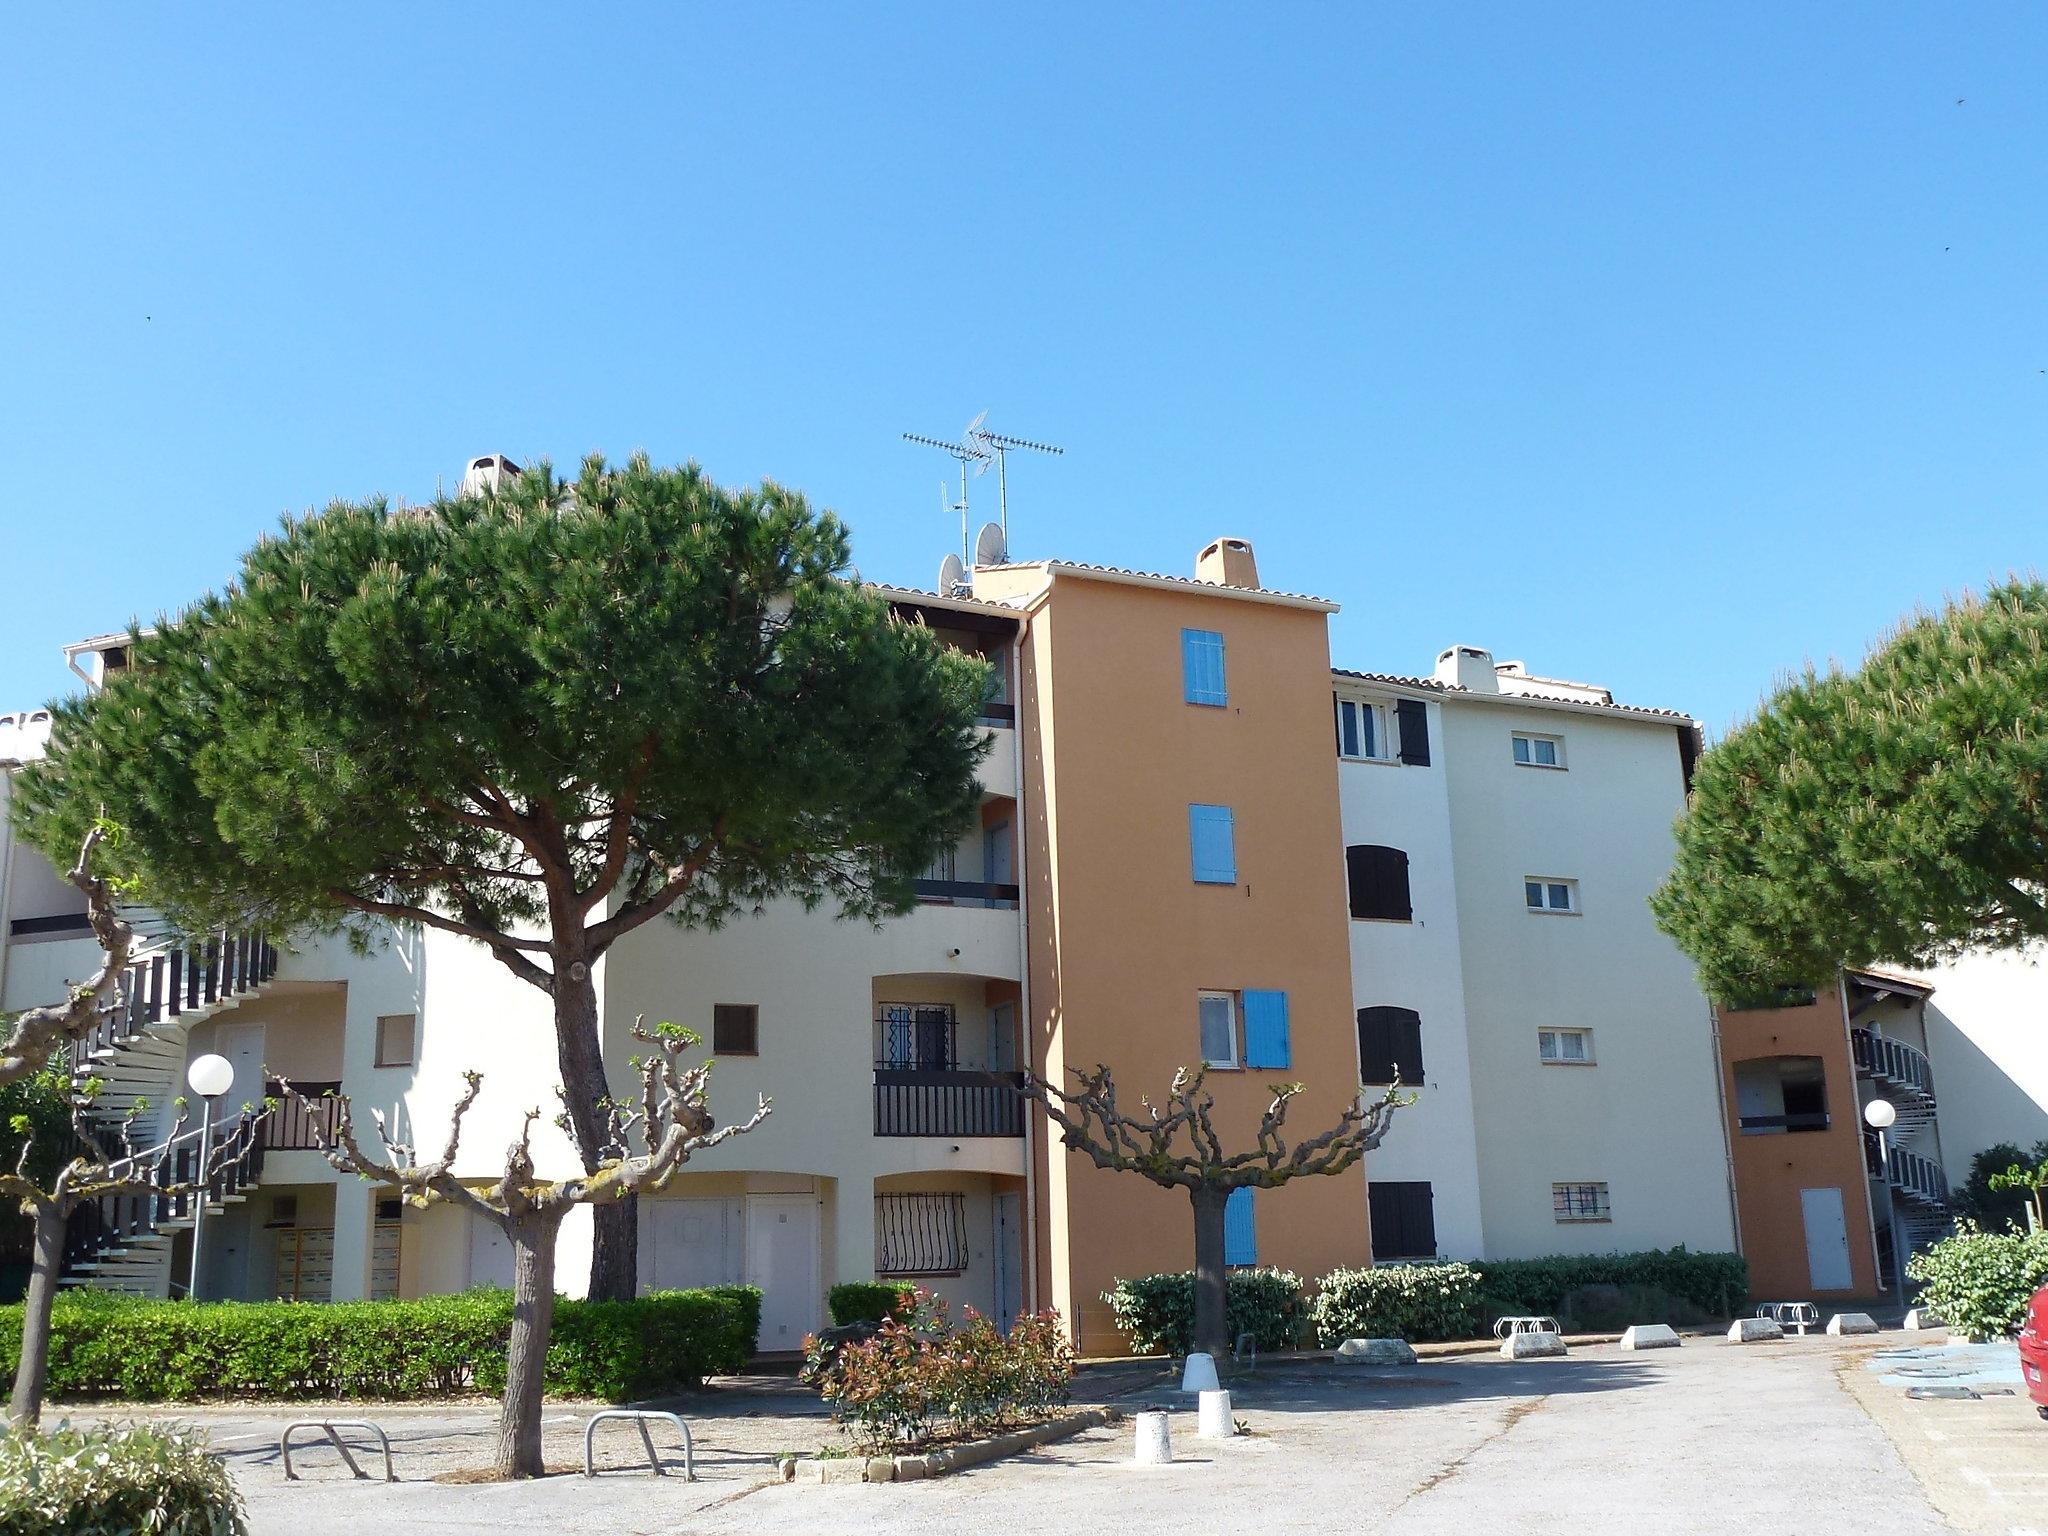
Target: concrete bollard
x: 1531, y: 1346
x: 1851, y: 1322
x: 1214, y: 1421
x: 1155, y: 1441
x: 1199, y: 1374
x: 1375, y: 1352
x: 1919, y: 1318
x: 1650, y: 1336
x: 1753, y: 1330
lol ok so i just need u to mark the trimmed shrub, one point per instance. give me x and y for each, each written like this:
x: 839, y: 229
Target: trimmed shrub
x: 114, y: 1482
x: 1979, y: 1282
x: 1416, y: 1302
x: 1714, y: 1282
x: 869, y: 1301
x: 1156, y: 1313
x: 102, y: 1345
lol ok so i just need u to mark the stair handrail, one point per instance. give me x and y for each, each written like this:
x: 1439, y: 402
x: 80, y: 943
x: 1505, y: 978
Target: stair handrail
x: 173, y: 976
x: 1883, y: 1056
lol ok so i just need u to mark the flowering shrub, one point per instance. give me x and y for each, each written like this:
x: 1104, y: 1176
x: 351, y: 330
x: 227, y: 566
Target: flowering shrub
x: 111, y: 1482
x: 920, y: 1374
x: 1979, y: 1282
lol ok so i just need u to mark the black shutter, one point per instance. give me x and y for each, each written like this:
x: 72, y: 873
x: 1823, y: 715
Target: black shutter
x: 1376, y: 881
x: 1390, y: 1040
x: 1403, y: 1216
x: 1358, y: 879
x: 1413, y: 716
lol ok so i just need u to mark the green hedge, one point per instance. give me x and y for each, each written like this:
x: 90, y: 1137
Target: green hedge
x: 116, y: 1482
x: 1156, y: 1313
x: 1416, y: 1302
x: 164, y: 1351
x: 1716, y: 1283
x: 1980, y: 1282
x: 868, y: 1301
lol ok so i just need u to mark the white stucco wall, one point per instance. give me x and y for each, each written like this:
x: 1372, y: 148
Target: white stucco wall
x: 1417, y: 965
x: 1646, y: 1120
x: 1987, y: 1037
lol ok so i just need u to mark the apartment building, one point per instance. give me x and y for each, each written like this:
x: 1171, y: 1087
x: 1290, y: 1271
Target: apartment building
x: 1198, y: 843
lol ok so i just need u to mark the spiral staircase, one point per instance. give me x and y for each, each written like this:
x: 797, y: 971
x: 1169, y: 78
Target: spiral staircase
x: 134, y: 1055
x: 1905, y: 1079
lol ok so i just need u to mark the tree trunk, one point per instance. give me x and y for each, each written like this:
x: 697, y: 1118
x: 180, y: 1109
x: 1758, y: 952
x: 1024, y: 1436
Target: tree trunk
x: 1212, y: 1283
x: 579, y: 1045
x: 32, y: 1374
x: 533, y: 1316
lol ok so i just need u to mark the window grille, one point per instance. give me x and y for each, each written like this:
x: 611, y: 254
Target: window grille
x: 920, y: 1234
x: 1580, y: 1202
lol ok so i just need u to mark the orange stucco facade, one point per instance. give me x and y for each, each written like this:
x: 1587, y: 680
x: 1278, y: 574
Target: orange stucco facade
x: 1122, y: 938
x: 1772, y: 1170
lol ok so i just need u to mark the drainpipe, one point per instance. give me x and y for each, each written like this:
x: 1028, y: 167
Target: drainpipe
x: 1885, y: 1172
x: 1727, y: 1139
x: 8, y: 839
x: 1025, y: 1029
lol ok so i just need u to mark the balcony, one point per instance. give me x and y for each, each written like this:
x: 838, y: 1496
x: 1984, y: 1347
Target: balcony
x: 296, y: 1127
x: 1759, y: 1124
x: 915, y: 1101
x: 967, y: 893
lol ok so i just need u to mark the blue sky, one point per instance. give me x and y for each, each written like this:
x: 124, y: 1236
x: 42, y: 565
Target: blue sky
x: 1658, y: 346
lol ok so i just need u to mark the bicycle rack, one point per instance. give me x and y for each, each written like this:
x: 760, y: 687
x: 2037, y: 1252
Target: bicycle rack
x: 639, y: 1418
x: 328, y: 1427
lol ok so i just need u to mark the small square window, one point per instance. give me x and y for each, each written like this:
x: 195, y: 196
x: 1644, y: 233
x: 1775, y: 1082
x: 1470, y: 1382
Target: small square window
x: 395, y: 1032
x: 1533, y: 751
x: 1580, y: 1202
x: 1363, y: 731
x: 1218, y: 1014
x: 1544, y: 895
x: 1567, y: 1047
x: 736, y: 1029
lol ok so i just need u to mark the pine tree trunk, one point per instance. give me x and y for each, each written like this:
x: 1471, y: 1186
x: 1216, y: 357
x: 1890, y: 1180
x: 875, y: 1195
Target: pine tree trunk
x: 31, y: 1375
x: 579, y: 1041
x: 1212, y: 1282
x: 533, y: 1316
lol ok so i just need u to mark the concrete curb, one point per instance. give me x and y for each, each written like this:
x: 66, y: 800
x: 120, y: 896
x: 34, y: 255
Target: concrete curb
x: 951, y: 1458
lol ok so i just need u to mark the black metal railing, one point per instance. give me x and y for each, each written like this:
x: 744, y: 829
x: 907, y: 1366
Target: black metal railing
x: 1893, y: 1060
x: 993, y: 713
x: 914, y: 1102
x: 115, y: 1221
x: 1808, y: 1122
x: 967, y: 893
x: 920, y: 1234
x: 1912, y: 1175
x: 62, y: 922
x: 172, y: 981
x: 296, y: 1127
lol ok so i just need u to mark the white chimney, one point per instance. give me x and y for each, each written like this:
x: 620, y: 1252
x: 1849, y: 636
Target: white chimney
x: 1468, y: 667
x: 492, y: 472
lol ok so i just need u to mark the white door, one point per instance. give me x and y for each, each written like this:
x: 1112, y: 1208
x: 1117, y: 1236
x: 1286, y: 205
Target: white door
x: 1009, y: 1246
x: 242, y: 1044
x: 688, y: 1243
x: 1827, y: 1239
x: 782, y: 1259
x: 490, y: 1253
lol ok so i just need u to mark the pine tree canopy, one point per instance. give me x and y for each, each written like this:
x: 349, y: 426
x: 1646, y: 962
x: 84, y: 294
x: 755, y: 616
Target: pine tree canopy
x: 559, y: 708
x: 1894, y: 814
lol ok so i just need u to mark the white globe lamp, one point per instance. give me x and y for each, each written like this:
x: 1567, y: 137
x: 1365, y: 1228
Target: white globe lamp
x: 1879, y: 1115
x: 210, y: 1076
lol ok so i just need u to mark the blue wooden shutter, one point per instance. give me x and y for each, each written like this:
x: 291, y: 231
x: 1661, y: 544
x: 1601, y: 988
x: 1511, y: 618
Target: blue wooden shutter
x: 1265, y: 1030
x: 1240, y: 1229
x: 1201, y: 667
x: 1212, y: 844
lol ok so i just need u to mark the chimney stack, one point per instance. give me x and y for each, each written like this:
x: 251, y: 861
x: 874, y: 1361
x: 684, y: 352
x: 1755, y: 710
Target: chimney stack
x: 1228, y: 563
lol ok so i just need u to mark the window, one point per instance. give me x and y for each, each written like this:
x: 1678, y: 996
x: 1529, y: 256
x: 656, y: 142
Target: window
x: 1212, y: 844
x: 1565, y: 1047
x: 918, y: 1037
x: 920, y: 1234
x: 1265, y: 1030
x: 1544, y: 895
x: 1580, y: 1202
x: 735, y: 1029
x: 395, y: 1038
x: 1218, y: 1014
x: 1240, y: 1229
x: 1389, y: 1042
x: 1533, y: 751
x: 1376, y: 878
x: 1201, y: 667
x: 1403, y: 1219
x: 1362, y: 731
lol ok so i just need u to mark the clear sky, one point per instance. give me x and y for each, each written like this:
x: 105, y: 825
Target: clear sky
x: 1658, y: 346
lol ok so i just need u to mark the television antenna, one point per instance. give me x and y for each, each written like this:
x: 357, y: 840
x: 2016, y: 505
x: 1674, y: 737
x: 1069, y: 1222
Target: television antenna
x: 979, y: 447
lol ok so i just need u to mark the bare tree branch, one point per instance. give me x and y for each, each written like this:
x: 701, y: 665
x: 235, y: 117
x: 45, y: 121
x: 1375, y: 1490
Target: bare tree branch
x: 39, y: 1031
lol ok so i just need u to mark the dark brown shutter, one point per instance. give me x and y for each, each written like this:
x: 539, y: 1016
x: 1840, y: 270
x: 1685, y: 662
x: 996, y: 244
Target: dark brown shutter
x: 1413, y: 716
x: 1390, y: 1040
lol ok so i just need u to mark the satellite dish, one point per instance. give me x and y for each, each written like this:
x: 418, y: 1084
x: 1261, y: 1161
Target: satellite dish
x: 952, y: 576
x: 990, y: 547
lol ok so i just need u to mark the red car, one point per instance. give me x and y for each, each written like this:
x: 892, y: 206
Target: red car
x: 2034, y: 1350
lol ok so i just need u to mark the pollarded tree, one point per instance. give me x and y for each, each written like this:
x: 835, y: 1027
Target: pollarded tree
x: 31, y: 1035
x: 672, y: 1123
x: 538, y: 717
x: 1177, y: 1147
x: 1895, y: 814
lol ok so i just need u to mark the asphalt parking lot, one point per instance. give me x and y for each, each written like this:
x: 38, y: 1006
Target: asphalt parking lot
x: 1707, y: 1438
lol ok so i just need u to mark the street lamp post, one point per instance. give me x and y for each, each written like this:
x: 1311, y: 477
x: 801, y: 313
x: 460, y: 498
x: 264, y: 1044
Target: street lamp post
x: 1880, y: 1116
x: 209, y: 1076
